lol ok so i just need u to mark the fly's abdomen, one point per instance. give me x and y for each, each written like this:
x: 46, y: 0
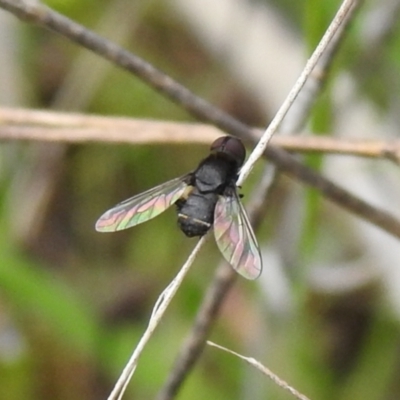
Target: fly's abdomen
x: 196, y: 213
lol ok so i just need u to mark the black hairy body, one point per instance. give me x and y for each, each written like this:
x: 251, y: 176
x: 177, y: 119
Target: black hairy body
x: 209, y: 181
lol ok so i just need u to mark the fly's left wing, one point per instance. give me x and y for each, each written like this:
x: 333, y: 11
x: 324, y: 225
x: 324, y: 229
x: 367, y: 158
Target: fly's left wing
x: 142, y: 207
x: 235, y: 237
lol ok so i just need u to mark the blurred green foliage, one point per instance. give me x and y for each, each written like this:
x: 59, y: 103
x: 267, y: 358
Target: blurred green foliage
x: 73, y: 302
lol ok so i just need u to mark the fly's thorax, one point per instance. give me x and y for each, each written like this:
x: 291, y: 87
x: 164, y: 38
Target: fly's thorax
x: 214, y: 174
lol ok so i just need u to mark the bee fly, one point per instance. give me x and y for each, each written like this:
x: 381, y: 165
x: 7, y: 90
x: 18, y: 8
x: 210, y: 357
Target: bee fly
x: 204, y: 198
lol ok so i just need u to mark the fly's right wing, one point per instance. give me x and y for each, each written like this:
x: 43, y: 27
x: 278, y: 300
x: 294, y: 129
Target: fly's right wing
x: 142, y: 207
x: 235, y: 237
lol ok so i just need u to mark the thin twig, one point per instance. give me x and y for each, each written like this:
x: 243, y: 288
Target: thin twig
x: 280, y: 115
x: 297, y: 115
x: 381, y: 218
x: 275, y: 378
x: 222, y: 281
x: 24, y: 124
x: 194, y: 343
x: 158, y: 312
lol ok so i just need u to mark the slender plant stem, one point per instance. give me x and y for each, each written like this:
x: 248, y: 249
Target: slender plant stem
x: 216, y: 292
x: 24, y: 124
x: 280, y: 115
x: 266, y: 371
x: 156, y: 317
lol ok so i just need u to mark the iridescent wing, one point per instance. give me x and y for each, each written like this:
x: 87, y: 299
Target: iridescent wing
x: 235, y: 237
x: 142, y: 207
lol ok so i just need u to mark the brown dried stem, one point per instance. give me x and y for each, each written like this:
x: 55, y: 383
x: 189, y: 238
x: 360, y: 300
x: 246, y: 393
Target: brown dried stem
x: 22, y: 124
x: 223, y: 280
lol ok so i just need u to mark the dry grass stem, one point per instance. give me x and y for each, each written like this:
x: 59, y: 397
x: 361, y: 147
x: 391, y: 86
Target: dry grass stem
x: 156, y: 316
x: 253, y: 362
x: 213, y: 298
x: 280, y: 115
x: 36, y: 125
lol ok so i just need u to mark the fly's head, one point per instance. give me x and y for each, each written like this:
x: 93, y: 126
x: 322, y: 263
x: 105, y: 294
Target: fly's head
x: 231, y: 148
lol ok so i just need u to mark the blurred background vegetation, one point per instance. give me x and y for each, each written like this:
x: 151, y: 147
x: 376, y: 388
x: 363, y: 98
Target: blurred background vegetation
x: 73, y: 303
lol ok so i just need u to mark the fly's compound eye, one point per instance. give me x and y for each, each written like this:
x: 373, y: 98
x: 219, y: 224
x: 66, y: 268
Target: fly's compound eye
x: 230, y: 146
